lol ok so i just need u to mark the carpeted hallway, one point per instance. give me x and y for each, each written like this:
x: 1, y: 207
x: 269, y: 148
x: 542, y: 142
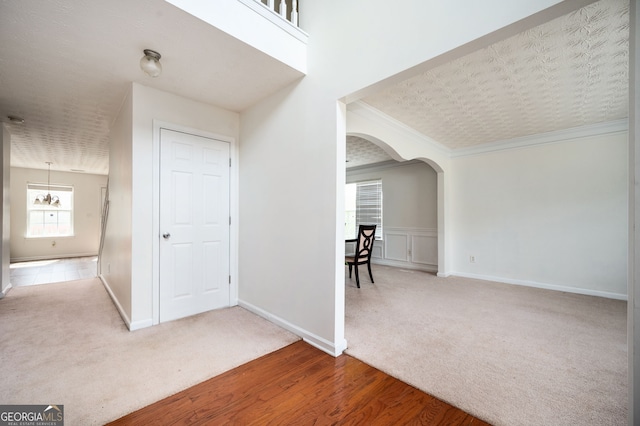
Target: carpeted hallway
x: 65, y: 343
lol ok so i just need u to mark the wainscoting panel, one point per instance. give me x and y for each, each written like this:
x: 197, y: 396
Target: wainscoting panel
x: 377, y: 251
x: 410, y: 248
x: 396, y: 245
x: 424, y: 249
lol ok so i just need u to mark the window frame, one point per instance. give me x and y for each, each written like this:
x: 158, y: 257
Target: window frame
x: 362, y: 217
x: 65, y: 192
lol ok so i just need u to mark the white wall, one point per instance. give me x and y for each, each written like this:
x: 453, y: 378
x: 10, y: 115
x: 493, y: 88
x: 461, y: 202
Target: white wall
x: 129, y: 249
x: 300, y: 132
x: 633, y: 305
x: 5, y: 213
x: 409, y: 190
x: 86, y: 215
x: 116, y: 261
x: 551, y: 215
x: 410, y: 214
x: 288, y: 225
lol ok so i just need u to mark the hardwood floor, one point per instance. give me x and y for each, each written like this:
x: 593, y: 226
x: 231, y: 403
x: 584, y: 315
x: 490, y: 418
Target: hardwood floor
x: 301, y: 385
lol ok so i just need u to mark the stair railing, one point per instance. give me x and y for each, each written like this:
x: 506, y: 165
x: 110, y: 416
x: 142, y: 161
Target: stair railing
x: 282, y: 9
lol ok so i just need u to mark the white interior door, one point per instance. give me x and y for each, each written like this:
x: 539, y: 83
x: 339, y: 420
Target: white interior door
x: 194, y: 224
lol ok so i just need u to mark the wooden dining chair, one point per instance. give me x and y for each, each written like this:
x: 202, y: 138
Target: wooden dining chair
x: 364, y: 247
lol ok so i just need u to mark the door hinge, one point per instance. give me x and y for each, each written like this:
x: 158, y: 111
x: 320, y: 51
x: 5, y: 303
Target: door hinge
x: 229, y: 279
x: 229, y: 220
x: 229, y: 162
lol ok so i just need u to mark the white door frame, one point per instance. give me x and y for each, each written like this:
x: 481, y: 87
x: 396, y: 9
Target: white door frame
x: 233, y: 210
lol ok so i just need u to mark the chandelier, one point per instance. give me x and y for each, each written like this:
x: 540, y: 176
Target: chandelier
x: 48, y: 199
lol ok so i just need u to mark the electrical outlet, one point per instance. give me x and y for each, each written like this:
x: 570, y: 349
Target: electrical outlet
x: 472, y: 259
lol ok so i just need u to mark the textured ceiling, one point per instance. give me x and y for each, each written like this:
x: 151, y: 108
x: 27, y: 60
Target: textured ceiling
x: 361, y: 152
x: 66, y: 67
x: 569, y: 72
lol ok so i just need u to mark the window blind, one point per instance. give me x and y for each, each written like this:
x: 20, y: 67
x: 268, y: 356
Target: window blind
x: 369, y: 205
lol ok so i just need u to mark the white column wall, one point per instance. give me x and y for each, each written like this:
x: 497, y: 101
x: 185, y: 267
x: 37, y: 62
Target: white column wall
x: 633, y: 305
x: 288, y: 181
x: 116, y: 258
x: 291, y: 144
x: 5, y: 214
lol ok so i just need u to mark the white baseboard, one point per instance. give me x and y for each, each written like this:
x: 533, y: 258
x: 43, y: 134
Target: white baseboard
x: 116, y: 302
x: 4, y: 292
x: 314, y: 340
x: 137, y: 325
x: 587, y: 292
x: 131, y: 325
x: 51, y: 257
x: 405, y: 265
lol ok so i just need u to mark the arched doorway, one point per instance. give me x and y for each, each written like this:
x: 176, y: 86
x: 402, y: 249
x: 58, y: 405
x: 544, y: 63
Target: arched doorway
x: 393, y: 154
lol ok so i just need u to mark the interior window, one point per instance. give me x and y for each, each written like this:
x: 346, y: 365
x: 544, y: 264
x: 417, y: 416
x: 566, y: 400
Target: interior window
x: 363, y: 206
x: 49, y: 211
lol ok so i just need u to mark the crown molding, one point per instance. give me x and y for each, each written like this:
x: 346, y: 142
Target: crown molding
x: 564, y: 135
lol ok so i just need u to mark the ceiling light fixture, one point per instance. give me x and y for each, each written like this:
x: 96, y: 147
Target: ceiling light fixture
x: 150, y: 63
x: 16, y: 120
x: 48, y: 199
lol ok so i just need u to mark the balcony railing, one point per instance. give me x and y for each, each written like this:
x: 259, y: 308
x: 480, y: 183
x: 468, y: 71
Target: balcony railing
x: 287, y: 9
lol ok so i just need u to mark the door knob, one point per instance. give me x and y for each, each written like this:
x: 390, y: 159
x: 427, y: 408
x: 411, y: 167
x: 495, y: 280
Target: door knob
x: 166, y: 236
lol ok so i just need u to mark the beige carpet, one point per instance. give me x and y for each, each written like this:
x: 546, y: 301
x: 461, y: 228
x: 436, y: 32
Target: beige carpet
x: 66, y: 344
x: 510, y: 355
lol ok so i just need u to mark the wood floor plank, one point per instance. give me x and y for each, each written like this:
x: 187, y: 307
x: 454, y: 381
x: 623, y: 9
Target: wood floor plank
x: 300, y: 384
